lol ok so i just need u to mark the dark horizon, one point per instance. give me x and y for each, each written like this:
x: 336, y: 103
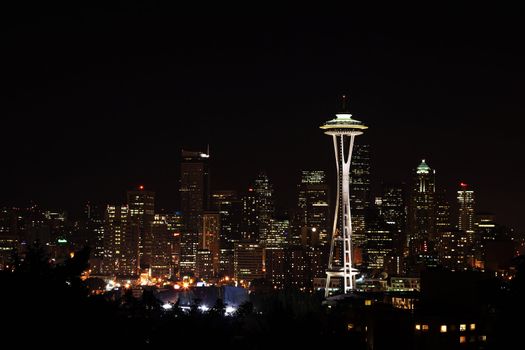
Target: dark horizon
x: 97, y: 100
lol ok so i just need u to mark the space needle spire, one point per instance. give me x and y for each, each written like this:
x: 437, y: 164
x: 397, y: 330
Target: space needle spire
x: 343, y: 130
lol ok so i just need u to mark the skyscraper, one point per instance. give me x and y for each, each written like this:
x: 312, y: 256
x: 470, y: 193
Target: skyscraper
x: 313, y: 204
x: 264, y: 205
x: 249, y: 217
x: 393, y: 209
x: 422, y: 210
x: 343, y: 130
x: 8, y: 235
x: 141, y: 205
x: 229, y: 207
x: 466, y: 209
x: 209, y: 239
x: 195, y: 199
x: 379, y: 247
x: 248, y: 261
x: 359, y: 192
x: 161, y: 254
x: 121, y: 243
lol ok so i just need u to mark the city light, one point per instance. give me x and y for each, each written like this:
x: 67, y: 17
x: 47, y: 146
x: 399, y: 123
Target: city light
x: 167, y: 306
x: 230, y: 310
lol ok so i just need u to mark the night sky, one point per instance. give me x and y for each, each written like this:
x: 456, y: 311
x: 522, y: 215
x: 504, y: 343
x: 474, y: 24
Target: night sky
x: 96, y: 99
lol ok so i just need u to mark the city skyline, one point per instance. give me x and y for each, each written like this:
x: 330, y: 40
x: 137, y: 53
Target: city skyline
x: 111, y: 104
x: 191, y: 175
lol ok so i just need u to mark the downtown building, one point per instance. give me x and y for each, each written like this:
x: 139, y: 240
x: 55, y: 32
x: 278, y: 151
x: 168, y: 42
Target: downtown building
x: 161, y: 261
x: 141, y: 204
x: 121, y: 242
x: 195, y: 199
x: 422, y: 227
x: 313, y: 207
x: 229, y: 207
x: 359, y: 198
x: 393, y: 212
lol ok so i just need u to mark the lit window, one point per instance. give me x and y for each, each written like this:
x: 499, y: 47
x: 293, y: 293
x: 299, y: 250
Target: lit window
x: 425, y: 327
x: 462, y: 339
x: 483, y: 338
x: 462, y: 327
x: 472, y: 326
x: 368, y: 302
x: 418, y: 327
x: 350, y: 326
x: 443, y: 328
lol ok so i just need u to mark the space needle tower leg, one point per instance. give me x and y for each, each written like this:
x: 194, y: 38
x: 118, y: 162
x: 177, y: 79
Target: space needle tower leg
x: 343, y: 128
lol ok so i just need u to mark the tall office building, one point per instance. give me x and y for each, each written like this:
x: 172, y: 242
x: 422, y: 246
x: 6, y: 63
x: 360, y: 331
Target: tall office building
x: 359, y: 192
x: 264, y: 205
x: 278, y: 233
x: 249, y: 217
x: 393, y: 210
x: 8, y: 236
x: 121, y: 243
x: 379, y: 248
x: 210, y: 239
x: 195, y: 199
x: 313, y: 205
x: 466, y: 209
x: 248, y: 261
x: 443, y: 222
x: 175, y: 226
x: 453, y: 250
x: 141, y: 205
x: 229, y: 207
x: 161, y: 254
x: 422, y: 211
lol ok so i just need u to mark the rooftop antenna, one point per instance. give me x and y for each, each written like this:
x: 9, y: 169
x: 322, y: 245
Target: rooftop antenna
x: 344, y: 103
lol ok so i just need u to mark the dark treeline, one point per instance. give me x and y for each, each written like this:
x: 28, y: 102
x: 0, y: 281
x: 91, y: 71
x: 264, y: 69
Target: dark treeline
x: 49, y: 305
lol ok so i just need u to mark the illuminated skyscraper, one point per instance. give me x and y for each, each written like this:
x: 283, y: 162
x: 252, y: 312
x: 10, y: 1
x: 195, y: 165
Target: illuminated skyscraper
x: 264, y: 205
x: 248, y: 261
x: 466, y: 209
x: 379, y: 247
x: 209, y: 239
x: 161, y: 255
x: 195, y: 199
x: 313, y: 205
x: 229, y: 207
x: 422, y: 210
x: 359, y: 193
x: 8, y: 236
x: 121, y: 243
x: 249, y: 217
x: 343, y: 130
x: 141, y: 205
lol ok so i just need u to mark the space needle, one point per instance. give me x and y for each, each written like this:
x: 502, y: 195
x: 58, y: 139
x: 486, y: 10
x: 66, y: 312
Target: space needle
x: 343, y: 130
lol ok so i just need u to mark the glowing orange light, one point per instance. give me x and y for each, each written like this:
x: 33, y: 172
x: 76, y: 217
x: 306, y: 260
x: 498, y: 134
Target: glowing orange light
x: 141, y: 187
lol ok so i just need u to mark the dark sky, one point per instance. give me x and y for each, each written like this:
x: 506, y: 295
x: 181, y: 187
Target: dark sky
x: 98, y: 98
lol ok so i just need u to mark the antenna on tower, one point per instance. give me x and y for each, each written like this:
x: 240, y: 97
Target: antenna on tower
x: 344, y: 103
